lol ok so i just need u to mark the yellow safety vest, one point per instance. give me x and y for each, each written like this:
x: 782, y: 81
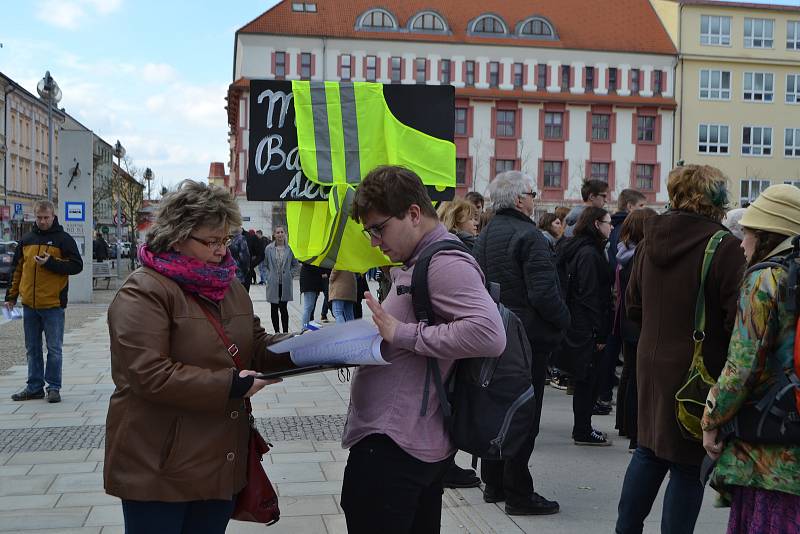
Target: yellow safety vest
x: 346, y: 129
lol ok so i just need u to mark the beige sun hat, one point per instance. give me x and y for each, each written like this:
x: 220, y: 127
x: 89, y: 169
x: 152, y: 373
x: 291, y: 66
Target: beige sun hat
x: 777, y: 209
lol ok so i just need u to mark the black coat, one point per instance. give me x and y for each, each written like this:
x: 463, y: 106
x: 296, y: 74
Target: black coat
x: 583, y: 269
x: 513, y: 253
x: 256, y: 247
x: 616, y: 221
x: 311, y: 278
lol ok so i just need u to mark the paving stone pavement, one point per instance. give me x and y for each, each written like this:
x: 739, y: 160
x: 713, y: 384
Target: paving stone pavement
x: 51, y: 457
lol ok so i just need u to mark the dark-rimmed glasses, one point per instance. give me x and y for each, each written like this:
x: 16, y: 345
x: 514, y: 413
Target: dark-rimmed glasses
x: 376, y: 230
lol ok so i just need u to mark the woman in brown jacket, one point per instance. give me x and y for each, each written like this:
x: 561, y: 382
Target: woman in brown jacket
x: 342, y: 290
x: 661, y: 298
x: 177, y: 428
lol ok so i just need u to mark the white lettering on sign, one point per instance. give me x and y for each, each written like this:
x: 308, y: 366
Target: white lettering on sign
x: 309, y: 191
x: 274, y: 97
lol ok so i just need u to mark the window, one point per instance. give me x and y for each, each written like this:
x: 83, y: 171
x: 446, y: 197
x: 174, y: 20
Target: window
x: 503, y: 165
x: 420, y: 68
x: 635, y: 74
x: 541, y: 78
x: 758, y: 33
x: 377, y: 18
x: 590, y: 79
x: 793, y: 88
x: 280, y: 64
x: 470, y: 74
x: 565, y: 78
x: 538, y: 28
x: 445, y: 70
x: 506, y: 123
x: 553, y: 125
x: 347, y: 70
x: 712, y: 139
x: 715, y: 84
x: 793, y: 35
x: 599, y: 171
x: 795, y: 183
x: 646, y: 129
x: 750, y: 189
x: 791, y: 142
x: 494, y: 74
x: 552, y: 173
x: 488, y: 24
x: 305, y: 66
x: 518, y: 75
x: 601, y: 127
x: 715, y: 31
x: 657, y: 81
x: 305, y: 7
x: 645, y: 176
x: 462, y: 115
x: 397, y: 64
x: 461, y: 171
x: 428, y: 22
x: 612, y: 80
x: 372, y: 67
x: 758, y: 86
x: 757, y: 141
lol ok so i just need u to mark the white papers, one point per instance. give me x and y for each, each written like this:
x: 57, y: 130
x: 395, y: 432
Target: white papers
x: 12, y: 314
x: 352, y: 343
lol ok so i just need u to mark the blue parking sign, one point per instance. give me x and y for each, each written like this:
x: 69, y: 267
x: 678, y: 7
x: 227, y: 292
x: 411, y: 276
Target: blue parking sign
x: 17, y: 208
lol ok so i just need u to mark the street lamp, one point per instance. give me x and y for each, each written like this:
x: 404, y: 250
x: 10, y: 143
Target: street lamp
x: 119, y: 152
x: 49, y: 92
x: 148, y: 175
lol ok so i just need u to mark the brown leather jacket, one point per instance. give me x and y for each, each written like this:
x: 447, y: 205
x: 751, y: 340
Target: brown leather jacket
x: 172, y: 433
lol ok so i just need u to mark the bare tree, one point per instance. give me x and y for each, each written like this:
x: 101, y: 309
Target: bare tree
x: 130, y: 191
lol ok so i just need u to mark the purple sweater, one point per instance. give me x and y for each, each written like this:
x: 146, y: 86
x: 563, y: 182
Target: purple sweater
x: 386, y: 399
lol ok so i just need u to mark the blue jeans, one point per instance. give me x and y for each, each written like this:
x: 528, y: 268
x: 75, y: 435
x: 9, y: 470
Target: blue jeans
x: 643, y: 479
x: 262, y: 271
x: 309, y: 302
x: 51, y: 322
x: 191, y: 517
x: 342, y: 310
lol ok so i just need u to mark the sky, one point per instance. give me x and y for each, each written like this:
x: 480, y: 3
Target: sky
x: 153, y: 74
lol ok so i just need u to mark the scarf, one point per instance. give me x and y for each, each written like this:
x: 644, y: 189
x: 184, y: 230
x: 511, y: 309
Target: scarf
x: 193, y: 276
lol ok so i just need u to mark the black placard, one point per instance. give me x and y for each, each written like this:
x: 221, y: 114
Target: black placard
x: 274, y: 171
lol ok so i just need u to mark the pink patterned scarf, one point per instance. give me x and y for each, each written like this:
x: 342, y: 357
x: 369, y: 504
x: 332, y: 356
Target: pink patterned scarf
x: 194, y: 276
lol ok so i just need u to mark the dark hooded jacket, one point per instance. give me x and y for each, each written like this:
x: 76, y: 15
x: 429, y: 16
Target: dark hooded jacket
x: 661, y: 297
x: 616, y: 221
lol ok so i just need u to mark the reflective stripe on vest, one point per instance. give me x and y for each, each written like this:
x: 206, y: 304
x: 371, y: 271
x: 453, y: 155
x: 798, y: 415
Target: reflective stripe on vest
x: 346, y: 129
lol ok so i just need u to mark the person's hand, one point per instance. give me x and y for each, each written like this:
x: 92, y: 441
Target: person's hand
x: 387, y: 325
x: 600, y: 346
x: 710, y: 443
x: 10, y: 305
x: 258, y: 384
x: 41, y: 260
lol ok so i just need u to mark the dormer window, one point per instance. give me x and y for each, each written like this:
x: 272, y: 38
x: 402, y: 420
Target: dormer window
x: 429, y: 22
x: 537, y: 28
x: 377, y: 19
x: 489, y: 24
x: 304, y: 7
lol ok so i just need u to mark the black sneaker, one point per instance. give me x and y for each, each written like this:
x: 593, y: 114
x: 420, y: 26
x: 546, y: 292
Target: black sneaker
x: 457, y: 477
x: 491, y: 494
x: 535, y: 505
x: 27, y: 395
x: 53, y: 396
x: 595, y: 438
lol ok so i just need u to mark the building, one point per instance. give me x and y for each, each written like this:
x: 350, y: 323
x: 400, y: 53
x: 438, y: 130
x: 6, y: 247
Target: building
x: 24, y: 155
x: 538, y: 87
x: 738, y: 88
x: 217, y: 176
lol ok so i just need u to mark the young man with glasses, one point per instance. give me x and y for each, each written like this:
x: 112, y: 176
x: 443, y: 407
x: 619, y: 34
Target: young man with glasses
x: 594, y: 193
x: 398, y: 452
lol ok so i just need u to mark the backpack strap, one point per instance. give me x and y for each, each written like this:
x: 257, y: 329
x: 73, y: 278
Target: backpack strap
x: 700, y: 306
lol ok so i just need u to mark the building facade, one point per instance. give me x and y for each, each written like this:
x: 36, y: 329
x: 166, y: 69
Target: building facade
x: 537, y: 88
x: 738, y: 90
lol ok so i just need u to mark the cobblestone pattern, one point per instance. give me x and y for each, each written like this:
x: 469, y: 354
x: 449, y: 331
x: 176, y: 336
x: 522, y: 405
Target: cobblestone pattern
x: 315, y: 427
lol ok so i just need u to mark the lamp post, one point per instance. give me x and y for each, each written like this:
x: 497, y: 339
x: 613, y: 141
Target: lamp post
x: 119, y: 152
x: 148, y: 175
x: 49, y: 92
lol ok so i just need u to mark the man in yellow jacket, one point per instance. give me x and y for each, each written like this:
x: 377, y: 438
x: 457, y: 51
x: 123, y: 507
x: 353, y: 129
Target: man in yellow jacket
x: 43, y: 262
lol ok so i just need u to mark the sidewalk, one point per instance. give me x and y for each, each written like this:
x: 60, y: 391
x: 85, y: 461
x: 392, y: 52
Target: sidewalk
x: 51, y: 456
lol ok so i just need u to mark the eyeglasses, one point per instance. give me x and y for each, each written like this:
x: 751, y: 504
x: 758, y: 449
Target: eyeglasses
x: 604, y: 195
x: 604, y: 222
x: 532, y: 194
x: 213, y: 244
x: 376, y: 230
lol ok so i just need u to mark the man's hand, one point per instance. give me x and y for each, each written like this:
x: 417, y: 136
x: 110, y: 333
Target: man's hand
x: 41, y: 260
x: 710, y: 443
x: 387, y: 325
x: 258, y: 384
x: 10, y: 305
x: 600, y: 346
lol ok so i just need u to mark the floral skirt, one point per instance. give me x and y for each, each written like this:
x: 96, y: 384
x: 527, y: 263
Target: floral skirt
x: 760, y: 511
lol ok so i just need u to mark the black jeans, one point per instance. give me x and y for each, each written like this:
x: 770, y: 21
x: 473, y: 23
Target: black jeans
x: 584, y: 398
x: 281, y: 307
x: 192, y: 517
x: 387, y: 490
x: 512, y: 475
x: 607, y: 374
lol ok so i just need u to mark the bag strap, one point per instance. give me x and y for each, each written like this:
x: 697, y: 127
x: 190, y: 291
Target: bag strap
x: 700, y: 307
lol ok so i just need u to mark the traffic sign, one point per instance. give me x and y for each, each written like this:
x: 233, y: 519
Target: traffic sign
x: 124, y: 219
x: 17, y: 208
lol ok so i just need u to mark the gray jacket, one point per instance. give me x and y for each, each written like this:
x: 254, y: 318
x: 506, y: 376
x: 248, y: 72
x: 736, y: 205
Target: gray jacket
x: 572, y: 218
x: 279, y: 277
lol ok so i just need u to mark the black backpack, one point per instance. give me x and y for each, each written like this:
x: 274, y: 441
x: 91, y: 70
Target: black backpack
x: 488, y: 403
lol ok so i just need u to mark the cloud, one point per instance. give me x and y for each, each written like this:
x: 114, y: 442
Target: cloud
x: 70, y: 14
x: 158, y: 73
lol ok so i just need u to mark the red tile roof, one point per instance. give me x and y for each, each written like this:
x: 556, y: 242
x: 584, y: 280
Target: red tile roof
x: 607, y: 25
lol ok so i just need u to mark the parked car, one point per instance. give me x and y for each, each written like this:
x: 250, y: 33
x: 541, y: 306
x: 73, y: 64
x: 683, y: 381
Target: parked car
x: 125, y: 249
x: 7, y: 249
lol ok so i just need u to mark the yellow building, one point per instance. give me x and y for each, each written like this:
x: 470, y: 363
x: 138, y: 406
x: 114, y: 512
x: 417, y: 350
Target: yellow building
x: 737, y: 84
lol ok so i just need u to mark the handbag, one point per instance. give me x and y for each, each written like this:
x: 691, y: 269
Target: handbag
x: 257, y: 502
x: 690, y: 399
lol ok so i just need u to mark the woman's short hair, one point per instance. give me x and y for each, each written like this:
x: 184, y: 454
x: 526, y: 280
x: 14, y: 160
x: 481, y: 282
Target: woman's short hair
x: 546, y: 221
x: 632, y: 230
x: 700, y: 189
x: 562, y: 212
x: 507, y: 187
x: 454, y: 214
x: 190, y: 206
x: 585, y: 225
